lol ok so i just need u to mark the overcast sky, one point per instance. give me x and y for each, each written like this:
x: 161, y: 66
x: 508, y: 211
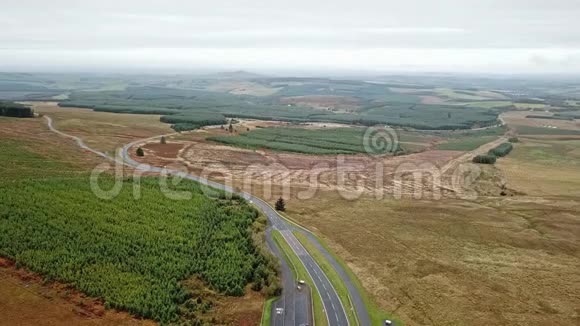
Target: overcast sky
x: 496, y: 36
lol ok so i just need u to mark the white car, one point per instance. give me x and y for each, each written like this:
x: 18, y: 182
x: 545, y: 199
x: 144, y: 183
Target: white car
x: 301, y: 282
x: 279, y: 311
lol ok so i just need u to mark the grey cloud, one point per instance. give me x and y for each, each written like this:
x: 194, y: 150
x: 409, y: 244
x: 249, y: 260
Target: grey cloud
x: 129, y: 25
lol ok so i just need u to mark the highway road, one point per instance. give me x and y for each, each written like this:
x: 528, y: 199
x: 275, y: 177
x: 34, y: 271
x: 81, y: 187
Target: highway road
x: 295, y: 303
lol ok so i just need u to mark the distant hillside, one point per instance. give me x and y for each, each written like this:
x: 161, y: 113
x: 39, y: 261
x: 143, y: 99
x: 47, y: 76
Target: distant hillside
x: 240, y: 74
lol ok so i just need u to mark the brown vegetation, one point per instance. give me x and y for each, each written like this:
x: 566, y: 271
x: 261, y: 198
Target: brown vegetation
x: 510, y: 261
x: 519, y: 118
x: 25, y: 299
x: 101, y: 130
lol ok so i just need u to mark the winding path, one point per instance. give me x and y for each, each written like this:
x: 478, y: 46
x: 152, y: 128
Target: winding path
x: 296, y: 312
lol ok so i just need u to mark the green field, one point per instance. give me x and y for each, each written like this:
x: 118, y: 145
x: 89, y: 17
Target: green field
x: 530, y: 105
x: 487, y: 104
x: 469, y: 140
x: 460, y: 95
x: 19, y: 163
x: 528, y: 130
x: 465, y: 144
x: 308, y: 141
x: 549, y: 152
x: 133, y: 254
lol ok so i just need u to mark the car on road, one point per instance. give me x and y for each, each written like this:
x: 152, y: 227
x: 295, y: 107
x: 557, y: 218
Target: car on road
x: 279, y: 311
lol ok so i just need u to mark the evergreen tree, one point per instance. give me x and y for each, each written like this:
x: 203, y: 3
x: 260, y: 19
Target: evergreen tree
x: 280, y: 205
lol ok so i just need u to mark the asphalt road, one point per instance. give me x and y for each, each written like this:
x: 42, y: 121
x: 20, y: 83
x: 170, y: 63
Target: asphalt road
x: 296, y: 312
x: 295, y: 304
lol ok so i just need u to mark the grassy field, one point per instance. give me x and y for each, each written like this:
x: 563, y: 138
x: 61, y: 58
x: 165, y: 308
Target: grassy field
x: 302, y: 274
x: 36, y: 165
x: 460, y: 95
x: 466, y: 144
x: 30, y: 150
x: 308, y: 141
x: 377, y: 314
x: 488, y: 104
x: 544, y: 167
x: 538, y: 106
x: 469, y: 140
x: 100, y: 130
x: 548, y: 152
x: 428, y: 261
x: 529, y: 130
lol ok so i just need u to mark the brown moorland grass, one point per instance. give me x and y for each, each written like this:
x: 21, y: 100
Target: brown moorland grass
x: 504, y: 261
x: 102, y: 130
x: 25, y: 300
x: 518, y: 118
x: 543, y: 167
x: 34, y: 136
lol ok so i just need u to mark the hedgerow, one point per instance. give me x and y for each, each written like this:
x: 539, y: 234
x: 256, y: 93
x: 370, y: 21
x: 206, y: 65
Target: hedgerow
x: 501, y: 150
x: 485, y: 159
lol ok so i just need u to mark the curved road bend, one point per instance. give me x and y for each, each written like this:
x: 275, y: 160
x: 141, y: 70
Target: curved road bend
x: 291, y: 298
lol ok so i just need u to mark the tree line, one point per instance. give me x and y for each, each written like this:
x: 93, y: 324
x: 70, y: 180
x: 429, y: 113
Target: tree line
x: 11, y: 109
x: 499, y: 151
